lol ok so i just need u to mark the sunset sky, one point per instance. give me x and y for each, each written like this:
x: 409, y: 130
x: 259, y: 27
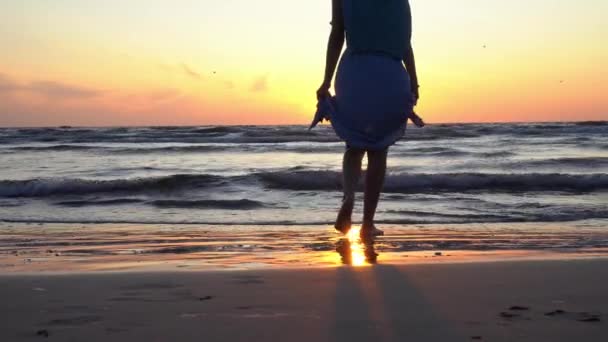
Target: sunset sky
x: 197, y: 62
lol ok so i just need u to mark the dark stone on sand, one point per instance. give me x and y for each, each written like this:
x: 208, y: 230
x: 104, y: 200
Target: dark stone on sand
x: 555, y: 312
x: 589, y: 318
x: 43, y: 333
x: 75, y: 321
x: 205, y: 298
x: 476, y: 338
x: 438, y: 254
x: 250, y: 281
x: 508, y: 315
x: 519, y: 308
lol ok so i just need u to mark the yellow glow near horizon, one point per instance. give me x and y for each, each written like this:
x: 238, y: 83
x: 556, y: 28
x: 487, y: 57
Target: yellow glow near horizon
x: 158, y: 62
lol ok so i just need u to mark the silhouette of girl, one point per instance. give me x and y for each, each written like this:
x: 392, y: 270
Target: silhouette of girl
x: 376, y: 90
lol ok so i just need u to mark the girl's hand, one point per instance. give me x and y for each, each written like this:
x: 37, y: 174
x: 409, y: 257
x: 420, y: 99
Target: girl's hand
x: 415, y: 94
x: 417, y: 120
x: 323, y: 91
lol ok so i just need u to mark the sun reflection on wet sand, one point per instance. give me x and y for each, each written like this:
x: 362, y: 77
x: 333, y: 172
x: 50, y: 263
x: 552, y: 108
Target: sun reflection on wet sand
x: 356, y: 251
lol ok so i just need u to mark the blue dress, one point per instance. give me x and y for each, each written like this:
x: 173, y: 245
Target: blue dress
x: 373, y: 93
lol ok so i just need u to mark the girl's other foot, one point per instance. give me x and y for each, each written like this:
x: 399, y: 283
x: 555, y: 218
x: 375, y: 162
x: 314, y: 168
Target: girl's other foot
x: 370, y: 230
x: 343, y: 222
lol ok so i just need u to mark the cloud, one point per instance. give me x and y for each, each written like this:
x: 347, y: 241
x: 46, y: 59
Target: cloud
x: 190, y: 72
x: 7, y: 84
x: 260, y: 84
x: 149, y: 99
x: 56, y: 89
x: 49, y: 89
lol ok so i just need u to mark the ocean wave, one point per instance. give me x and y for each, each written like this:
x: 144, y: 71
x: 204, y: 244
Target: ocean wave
x: 594, y: 217
x: 173, y: 149
x: 284, y: 134
x: 449, y: 182
x: 241, y: 204
x: 54, y: 186
x: 243, y: 223
x: 60, y: 147
x: 179, y: 149
x: 450, y: 152
x: 592, y: 123
x: 254, y: 148
x: 109, y: 202
x: 582, y: 162
x: 217, y: 130
x: 311, y: 180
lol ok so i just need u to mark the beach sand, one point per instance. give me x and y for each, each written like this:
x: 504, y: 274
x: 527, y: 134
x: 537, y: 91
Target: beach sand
x: 490, y: 301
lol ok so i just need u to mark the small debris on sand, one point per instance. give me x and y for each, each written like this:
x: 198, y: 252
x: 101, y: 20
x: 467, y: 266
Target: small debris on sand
x: 43, y: 333
x: 205, y: 298
x: 508, y: 315
x: 438, y: 254
x: 519, y: 308
x: 555, y: 313
x: 589, y: 318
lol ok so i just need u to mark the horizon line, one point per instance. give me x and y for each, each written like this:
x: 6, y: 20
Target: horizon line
x: 305, y: 125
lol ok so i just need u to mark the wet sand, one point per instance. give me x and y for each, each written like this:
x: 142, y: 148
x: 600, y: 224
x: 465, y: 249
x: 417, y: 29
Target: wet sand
x: 562, y: 300
x: 135, y: 247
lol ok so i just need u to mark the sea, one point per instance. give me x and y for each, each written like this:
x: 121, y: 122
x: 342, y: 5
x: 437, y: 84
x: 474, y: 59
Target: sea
x: 481, y: 178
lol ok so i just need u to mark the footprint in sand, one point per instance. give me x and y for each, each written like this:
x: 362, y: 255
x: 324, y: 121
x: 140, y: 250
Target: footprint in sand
x: 510, y: 315
x: 514, y: 312
x: 585, y: 317
x: 75, y: 321
x: 248, y: 280
x: 555, y: 313
x: 519, y: 308
x: 152, y: 286
x: 43, y: 333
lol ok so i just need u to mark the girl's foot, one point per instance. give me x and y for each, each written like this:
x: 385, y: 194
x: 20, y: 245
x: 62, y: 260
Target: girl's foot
x: 343, y: 222
x: 370, y: 230
x: 417, y: 120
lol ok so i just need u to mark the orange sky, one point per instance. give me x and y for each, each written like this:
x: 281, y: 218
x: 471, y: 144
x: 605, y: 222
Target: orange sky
x: 197, y: 62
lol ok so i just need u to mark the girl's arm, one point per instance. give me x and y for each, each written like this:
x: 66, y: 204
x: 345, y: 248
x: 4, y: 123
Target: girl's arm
x: 334, y: 47
x: 408, y: 58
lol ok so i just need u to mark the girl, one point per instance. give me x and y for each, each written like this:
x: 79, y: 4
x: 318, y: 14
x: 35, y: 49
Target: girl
x: 376, y: 90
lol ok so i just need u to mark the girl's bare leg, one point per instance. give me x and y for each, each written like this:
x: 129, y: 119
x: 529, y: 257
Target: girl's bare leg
x: 374, y: 181
x: 351, y: 172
